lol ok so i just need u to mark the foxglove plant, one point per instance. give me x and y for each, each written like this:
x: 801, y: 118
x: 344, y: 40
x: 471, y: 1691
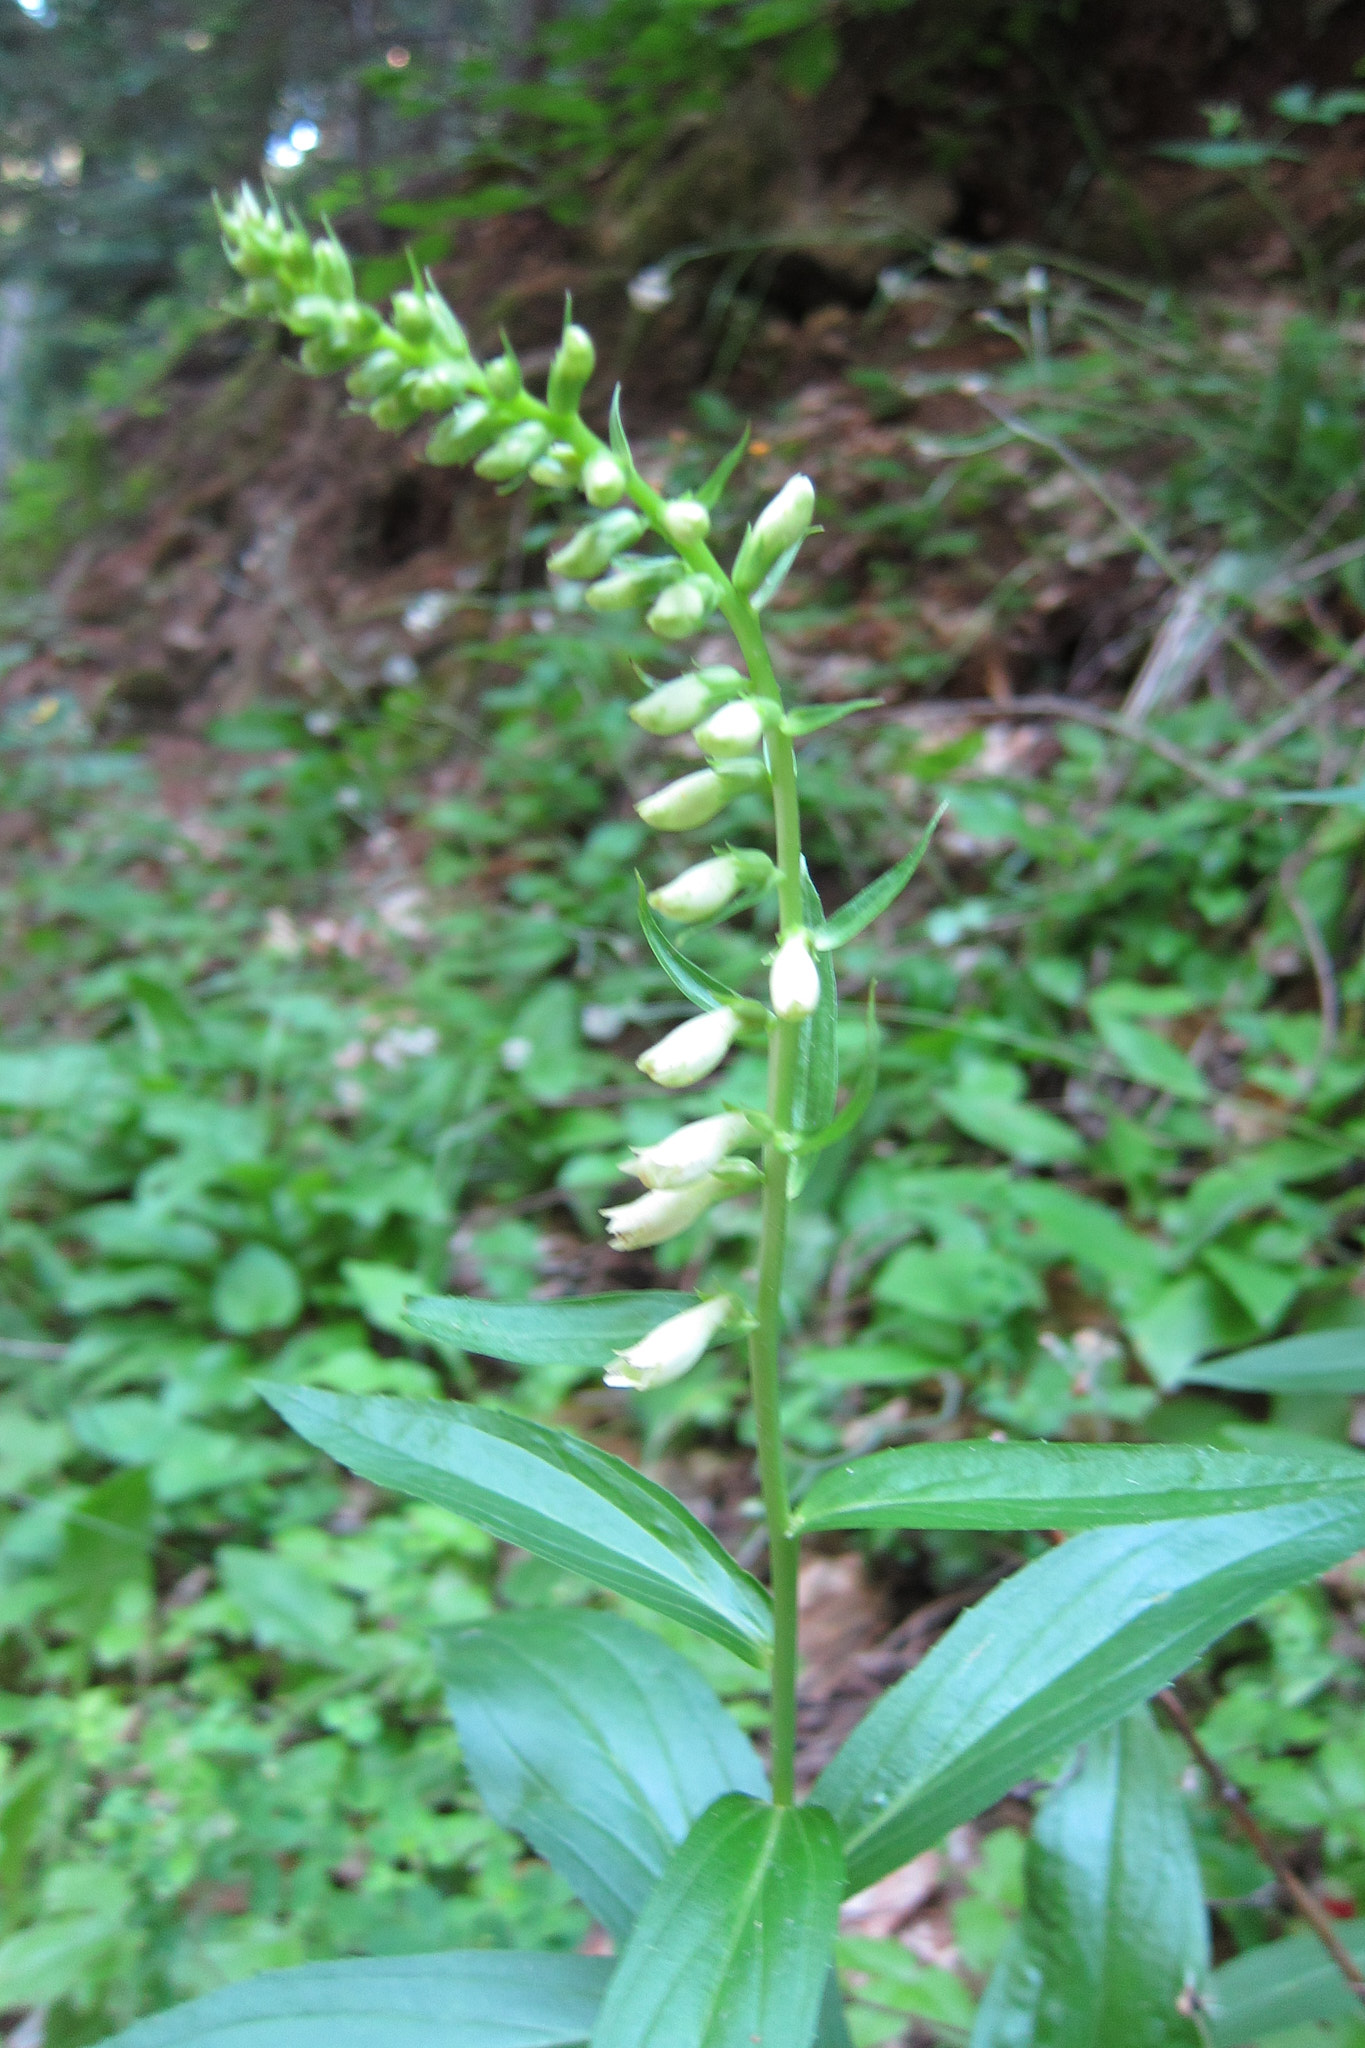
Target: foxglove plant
x: 583, y: 1730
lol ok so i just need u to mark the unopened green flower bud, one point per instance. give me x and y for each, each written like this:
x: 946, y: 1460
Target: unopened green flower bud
x: 684, y: 1156
x: 262, y: 295
x: 604, y: 480
x: 380, y: 372
x: 513, y: 452
x: 412, y: 316
x: 794, y: 980
x: 310, y: 313
x: 781, y: 523
x: 394, y: 411
x: 575, y: 360
x: 682, y: 608
x: 691, y: 1051
x: 672, y: 1347
x: 332, y: 269
x: 662, y: 1213
x: 354, y: 326
x: 439, y: 387
x: 321, y: 355
x: 697, y: 798
x: 503, y: 374
x: 461, y: 436
x: 732, y: 730
x: 594, y: 546
x: 551, y: 474
x: 633, y: 582
x: 294, y: 256
x: 686, y: 522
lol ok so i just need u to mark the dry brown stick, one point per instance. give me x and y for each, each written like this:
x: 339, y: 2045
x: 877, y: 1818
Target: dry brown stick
x: 1320, y: 958
x: 1107, y: 721
x: 1231, y: 1796
x: 1322, y: 692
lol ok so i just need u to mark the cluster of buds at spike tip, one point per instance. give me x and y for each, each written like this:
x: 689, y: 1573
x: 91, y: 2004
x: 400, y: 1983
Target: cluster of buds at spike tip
x: 695, y: 1150
x: 794, y: 979
x: 692, y: 1050
x: 672, y: 707
x: 704, y: 890
x: 696, y: 799
x: 674, y: 1346
x: 782, y: 524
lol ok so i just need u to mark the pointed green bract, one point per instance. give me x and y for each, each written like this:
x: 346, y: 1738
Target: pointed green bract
x: 1289, y: 1983
x: 1064, y: 1647
x: 549, y: 1493
x: 807, y: 718
x: 983, y: 1485
x: 467, y: 1998
x: 734, y: 1944
x: 878, y: 896
x: 596, y: 1742
x: 1324, y: 1362
x: 1114, y: 1934
x: 585, y: 1332
x: 694, y: 982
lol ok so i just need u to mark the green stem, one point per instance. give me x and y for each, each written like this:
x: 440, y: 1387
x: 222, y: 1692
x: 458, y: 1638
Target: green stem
x: 784, y: 1549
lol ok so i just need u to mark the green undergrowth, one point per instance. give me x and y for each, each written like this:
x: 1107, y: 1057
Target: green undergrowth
x: 352, y: 1026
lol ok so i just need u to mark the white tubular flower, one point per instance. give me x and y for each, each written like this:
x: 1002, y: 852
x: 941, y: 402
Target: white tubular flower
x: 691, y: 800
x: 678, y: 611
x: 734, y: 729
x: 704, y: 890
x: 794, y: 982
x: 672, y: 1348
x: 672, y: 707
x: 662, y: 1213
x: 697, y: 1149
x: 691, y: 1051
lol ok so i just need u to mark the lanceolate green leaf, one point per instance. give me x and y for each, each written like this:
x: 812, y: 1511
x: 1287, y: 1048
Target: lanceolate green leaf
x: 694, y: 982
x: 548, y: 1492
x: 807, y: 718
x: 1114, y: 1933
x: 817, y: 1074
x: 468, y: 1998
x: 1325, y: 1362
x: 981, y: 1485
x: 877, y: 897
x: 582, y: 1333
x: 596, y: 1742
x: 859, y: 1100
x: 1061, y: 1649
x: 1288, y: 1983
x: 734, y: 1944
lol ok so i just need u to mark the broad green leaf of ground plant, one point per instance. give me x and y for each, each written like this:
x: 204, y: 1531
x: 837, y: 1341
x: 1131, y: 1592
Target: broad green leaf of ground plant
x: 987, y: 1102
x: 734, y: 1944
x: 596, y: 1742
x: 583, y: 1333
x: 1289, y: 1983
x: 1061, y: 1649
x: 1114, y: 1932
x: 983, y: 1485
x: 477, y: 1997
x: 1325, y: 1362
x: 549, y: 1493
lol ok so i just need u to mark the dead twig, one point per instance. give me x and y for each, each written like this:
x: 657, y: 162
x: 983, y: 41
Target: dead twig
x: 1322, y: 692
x: 1320, y: 958
x: 1231, y: 1796
x: 1026, y: 708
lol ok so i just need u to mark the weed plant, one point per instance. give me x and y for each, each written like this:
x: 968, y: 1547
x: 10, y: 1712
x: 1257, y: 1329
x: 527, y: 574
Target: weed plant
x: 217, y: 1206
